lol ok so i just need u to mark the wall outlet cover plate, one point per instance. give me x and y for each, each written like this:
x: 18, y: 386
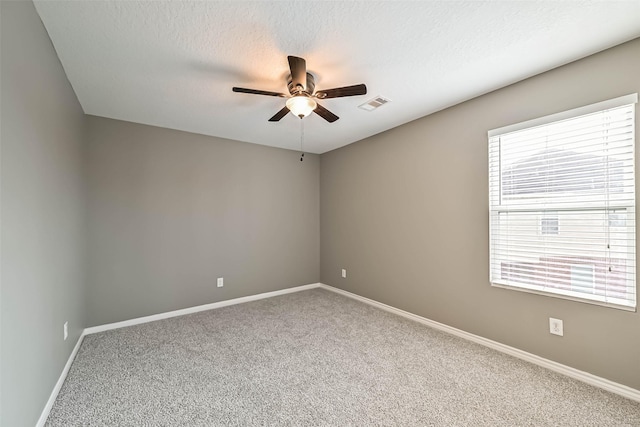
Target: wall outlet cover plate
x: 556, y: 326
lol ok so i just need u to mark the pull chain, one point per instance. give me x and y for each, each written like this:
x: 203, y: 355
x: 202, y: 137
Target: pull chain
x: 301, y: 138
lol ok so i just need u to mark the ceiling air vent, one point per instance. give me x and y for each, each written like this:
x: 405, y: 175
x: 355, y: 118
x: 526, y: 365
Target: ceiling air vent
x: 374, y: 103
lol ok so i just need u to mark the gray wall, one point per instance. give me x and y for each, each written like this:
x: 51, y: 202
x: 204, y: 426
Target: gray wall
x: 406, y: 213
x: 170, y: 211
x: 42, y: 216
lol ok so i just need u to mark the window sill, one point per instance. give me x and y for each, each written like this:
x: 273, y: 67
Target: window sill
x: 564, y: 296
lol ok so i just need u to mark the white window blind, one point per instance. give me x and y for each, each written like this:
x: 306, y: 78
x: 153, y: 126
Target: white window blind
x: 562, y: 205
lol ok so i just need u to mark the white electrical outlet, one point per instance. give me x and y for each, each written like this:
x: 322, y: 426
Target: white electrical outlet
x: 65, y: 330
x: 344, y: 273
x: 555, y: 326
x: 220, y: 282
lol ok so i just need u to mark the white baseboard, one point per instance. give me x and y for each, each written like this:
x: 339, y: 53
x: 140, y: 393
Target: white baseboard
x: 196, y: 309
x: 56, y: 389
x: 603, y: 383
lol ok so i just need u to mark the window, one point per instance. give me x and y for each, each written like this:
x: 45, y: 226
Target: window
x: 617, y: 220
x: 549, y: 223
x: 562, y: 204
x: 583, y: 278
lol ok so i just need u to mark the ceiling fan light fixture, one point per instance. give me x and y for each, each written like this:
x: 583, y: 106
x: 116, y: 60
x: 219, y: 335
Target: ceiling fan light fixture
x: 301, y: 105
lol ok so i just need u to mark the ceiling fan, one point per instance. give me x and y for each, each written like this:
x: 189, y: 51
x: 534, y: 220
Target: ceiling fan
x: 302, y: 100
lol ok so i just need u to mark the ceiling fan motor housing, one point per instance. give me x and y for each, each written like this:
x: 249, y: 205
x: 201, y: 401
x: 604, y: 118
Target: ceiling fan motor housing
x: 311, y: 85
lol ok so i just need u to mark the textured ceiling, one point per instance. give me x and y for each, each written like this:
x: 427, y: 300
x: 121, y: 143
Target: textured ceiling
x: 173, y: 63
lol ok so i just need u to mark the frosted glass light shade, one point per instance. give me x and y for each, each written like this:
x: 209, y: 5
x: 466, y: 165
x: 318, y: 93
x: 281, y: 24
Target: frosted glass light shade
x: 301, y: 105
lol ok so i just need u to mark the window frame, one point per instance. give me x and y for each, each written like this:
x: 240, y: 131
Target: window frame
x: 569, y: 114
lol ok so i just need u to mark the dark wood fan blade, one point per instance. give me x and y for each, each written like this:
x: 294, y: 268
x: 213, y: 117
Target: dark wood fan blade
x: 258, y: 92
x: 298, y: 67
x: 280, y: 114
x: 339, y: 92
x: 325, y: 114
